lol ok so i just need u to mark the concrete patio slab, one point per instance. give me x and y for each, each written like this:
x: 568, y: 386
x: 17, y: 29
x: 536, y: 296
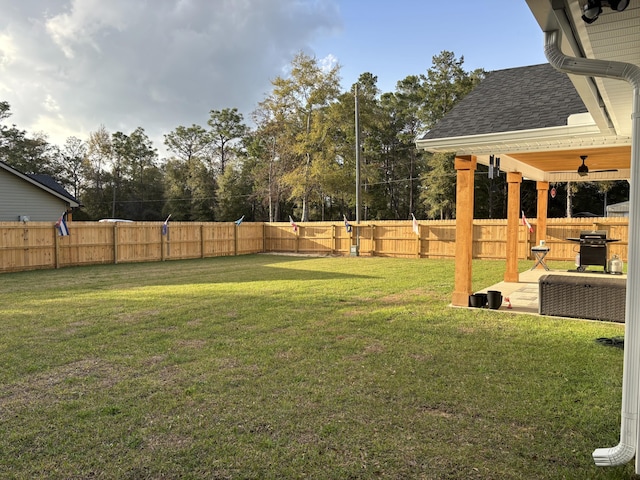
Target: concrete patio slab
x: 523, y: 296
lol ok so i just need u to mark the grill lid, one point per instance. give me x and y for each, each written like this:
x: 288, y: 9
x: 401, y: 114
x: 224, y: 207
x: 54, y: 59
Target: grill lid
x: 593, y: 235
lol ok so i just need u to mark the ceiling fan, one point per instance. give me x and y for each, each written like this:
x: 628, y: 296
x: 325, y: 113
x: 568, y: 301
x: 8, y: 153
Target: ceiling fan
x: 583, y: 170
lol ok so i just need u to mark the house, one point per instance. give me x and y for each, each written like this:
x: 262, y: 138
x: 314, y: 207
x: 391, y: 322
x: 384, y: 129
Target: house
x: 36, y: 198
x: 595, y: 45
x: 618, y: 209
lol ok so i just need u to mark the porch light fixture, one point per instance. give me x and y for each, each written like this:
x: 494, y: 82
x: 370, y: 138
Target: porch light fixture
x: 618, y: 5
x: 592, y: 10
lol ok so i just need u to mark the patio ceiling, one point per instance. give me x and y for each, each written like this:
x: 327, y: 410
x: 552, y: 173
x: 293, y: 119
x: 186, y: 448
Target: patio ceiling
x: 603, y: 134
x: 562, y: 165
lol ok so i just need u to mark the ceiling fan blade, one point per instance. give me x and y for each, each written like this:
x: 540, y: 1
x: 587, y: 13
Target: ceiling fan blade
x: 585, y: 173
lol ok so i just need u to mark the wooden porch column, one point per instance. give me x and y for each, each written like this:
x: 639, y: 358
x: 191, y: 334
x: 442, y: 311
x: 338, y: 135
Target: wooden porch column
x: 514, y: 179
x: 541, y: 217
x: 465, y: 167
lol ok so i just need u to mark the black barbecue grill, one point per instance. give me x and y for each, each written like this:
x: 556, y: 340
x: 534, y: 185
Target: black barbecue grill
x: 593, y: 248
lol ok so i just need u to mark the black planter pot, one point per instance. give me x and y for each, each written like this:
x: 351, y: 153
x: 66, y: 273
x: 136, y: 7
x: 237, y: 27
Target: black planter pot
x: 474, y: 300
x: 494, y: 299
x: 482, y: 297
x: 478, y: 300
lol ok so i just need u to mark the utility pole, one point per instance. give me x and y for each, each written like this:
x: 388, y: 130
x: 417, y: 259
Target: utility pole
x: 357, y: 113
x: 357, y: 155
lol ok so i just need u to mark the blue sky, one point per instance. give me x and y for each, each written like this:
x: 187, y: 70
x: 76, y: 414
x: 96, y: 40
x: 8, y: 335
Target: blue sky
x: 394, y: 39
x: 68, y: 67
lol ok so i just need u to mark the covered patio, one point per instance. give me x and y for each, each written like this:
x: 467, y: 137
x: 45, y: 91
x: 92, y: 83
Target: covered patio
x: 575, y: 119
x: 523, y: 296
x: 557, y: 130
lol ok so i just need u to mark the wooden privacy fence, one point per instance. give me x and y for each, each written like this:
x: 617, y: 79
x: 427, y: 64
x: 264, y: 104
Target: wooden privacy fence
x: 35, y: 245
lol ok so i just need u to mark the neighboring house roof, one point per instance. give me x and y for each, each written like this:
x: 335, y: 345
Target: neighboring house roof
x: 514, y: 99
x: 50, y: 182
x: 44, y: 182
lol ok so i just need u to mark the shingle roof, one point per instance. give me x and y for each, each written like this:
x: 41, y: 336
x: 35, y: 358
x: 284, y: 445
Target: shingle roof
x: 514, y: 99
x: 50, y: 182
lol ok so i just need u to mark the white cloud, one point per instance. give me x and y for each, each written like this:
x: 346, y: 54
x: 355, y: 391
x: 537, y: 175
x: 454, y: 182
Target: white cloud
x: 7, y: 50
x: 82, y: 24
x: 50, y: 104
x: 328, y: 62
x: 69, y: 66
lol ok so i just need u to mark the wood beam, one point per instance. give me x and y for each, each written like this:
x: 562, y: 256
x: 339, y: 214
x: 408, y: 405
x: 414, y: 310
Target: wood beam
x: 514, y: 179
x: 465, y: 171
x: 541, y: 212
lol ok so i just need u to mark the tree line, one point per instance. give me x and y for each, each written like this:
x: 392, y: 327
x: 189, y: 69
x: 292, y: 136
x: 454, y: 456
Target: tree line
x: 298, y: 158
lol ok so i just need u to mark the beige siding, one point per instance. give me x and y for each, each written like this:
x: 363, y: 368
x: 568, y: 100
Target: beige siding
x: 19, y: 197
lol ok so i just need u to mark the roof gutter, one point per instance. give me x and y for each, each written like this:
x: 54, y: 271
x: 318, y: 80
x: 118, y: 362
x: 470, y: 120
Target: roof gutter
x: 626, y: 449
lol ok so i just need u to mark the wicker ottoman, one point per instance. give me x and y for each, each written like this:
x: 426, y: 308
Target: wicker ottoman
x: 591, y: 297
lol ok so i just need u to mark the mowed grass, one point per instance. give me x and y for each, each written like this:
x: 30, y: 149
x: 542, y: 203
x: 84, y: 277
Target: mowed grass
x: 274, y: 367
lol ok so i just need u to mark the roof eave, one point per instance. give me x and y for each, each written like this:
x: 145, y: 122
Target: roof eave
x: 534, y: 140
x: 551, y: 17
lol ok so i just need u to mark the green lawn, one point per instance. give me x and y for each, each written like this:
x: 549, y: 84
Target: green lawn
x: 273, y: 367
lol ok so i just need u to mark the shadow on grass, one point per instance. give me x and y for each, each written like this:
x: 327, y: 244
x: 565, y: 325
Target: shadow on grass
x: 216, y: 270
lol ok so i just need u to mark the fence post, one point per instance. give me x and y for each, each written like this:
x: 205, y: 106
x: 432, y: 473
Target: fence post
x: 418, y: 241
x: 264, y: 238
x: 373, y: 240
x: 202, y: 240
x: 162, y: 259
x: 353, y: 239
x: 25, y: 246
x: 333, y: 239
x: 235, y: 240
x: 115, y: 243
x: 57, y: 248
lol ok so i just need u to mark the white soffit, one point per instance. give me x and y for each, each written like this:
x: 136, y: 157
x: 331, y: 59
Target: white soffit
x: 615, y: 36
